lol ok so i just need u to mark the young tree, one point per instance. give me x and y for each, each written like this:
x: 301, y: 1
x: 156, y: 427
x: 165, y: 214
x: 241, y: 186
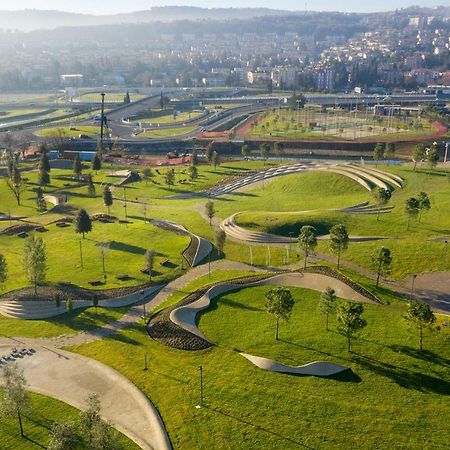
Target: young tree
x: 15, y: 182
x: 389, y: 151
x: 40, y: 201
x: 193, y: 172
x: 3, y: 270
x: 194, y: 158
x: 107, y: 197
x: 44, y: 176
x: 147, y: 174
x: 350, y: 320
x: 278, y: 149
x: 412, y: 209
x: 245, y: 150
x: 279, y: 302
x: 307, y: 240
x: 35, y: 260
x: 90, y: 186
x: 418, y: 154
x: 83, y: 223
x: 90, y: 417
x: 381, y: 262
x: 96, y: 163
x: 327, y: 303
x: 338, y: 241
x: 424, y: 203
x: 170, y: 178
x: 382, y: 196
x: 149, y: 262
x: 420, y: 316
x: 216, y: 159
x: 77, y: 166
x: 209, y: 151
x: 105, y: 437
x: 378, y: 152
x: 127, y: 99
x: 210, y: 211
x: 265, y: 151
x: 432, y: 158
x: 63, y: 437
x: 44, y: 160
x: 14, y: 400
x: 220, y: 241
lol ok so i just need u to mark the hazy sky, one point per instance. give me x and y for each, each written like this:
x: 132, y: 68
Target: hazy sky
x: 115, y: 6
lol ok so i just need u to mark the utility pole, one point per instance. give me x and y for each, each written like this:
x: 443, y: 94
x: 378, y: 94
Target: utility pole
x: 200, y: 368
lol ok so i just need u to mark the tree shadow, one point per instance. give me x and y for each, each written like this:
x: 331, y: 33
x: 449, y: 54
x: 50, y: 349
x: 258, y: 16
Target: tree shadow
x: 404, y: 377
x: 424, y: 355
x: 123, y: 247
x: 33, y: 441
x: 253, y: 425
x: 233, y: 304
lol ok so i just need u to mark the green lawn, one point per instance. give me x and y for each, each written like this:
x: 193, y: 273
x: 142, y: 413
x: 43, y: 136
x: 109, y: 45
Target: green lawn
x: 37, y: 423
x: 167, y: 132
x: 413, y: 249
x: 69, y: 132
x: 170, y: 119
x: 393, y: 386
x: 110, y: 97
x: 310, y: 124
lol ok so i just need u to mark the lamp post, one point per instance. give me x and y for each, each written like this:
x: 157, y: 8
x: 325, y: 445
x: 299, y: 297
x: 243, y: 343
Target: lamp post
x: 291, y: 233
x: 145, y: 362
x: 200, y: 368
x: 143, y: 304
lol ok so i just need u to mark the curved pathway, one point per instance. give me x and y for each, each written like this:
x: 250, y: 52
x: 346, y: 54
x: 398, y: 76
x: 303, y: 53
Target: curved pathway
x: 176, y: 326
x: 241, y: 234
x: 71, y: 378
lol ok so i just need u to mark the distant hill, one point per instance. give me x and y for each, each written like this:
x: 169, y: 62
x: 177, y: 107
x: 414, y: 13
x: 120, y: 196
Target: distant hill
x: 30, y: 19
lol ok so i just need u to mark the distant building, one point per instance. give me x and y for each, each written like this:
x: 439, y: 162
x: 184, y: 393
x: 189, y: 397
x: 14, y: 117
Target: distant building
x: 284, y: 77
x: 258, y: 76
x: 324, y: 79
x: 72, y: 80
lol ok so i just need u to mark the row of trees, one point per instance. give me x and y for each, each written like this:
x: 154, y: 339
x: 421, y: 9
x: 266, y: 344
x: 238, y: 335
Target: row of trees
x: 88, y: 430
x: 280, y: 303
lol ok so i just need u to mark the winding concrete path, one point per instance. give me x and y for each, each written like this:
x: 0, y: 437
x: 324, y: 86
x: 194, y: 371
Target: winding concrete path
x: 186, y: 316
x: 71, y: 378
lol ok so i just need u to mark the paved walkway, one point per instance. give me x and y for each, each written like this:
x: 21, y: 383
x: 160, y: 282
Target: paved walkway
x: 71, y: 378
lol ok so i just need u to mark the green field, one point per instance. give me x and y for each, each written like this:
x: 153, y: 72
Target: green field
x: 167, y: 132
x: 72, y: 132
x: 311, y: 124
x: 393, y: 385
x: 170, y: 118
x: 37, y: 423
x: 110, y: 97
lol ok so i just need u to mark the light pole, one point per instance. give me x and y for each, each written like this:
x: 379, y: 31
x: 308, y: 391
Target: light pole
x: 200, y: 368
x: 412, y: 285
x: 125, y: 206
x: 145, y: 362
x: 143, y: 304
x: 446, y: 250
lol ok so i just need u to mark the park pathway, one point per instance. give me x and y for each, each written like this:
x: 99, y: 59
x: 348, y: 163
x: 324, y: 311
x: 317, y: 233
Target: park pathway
x: 70, y: 377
